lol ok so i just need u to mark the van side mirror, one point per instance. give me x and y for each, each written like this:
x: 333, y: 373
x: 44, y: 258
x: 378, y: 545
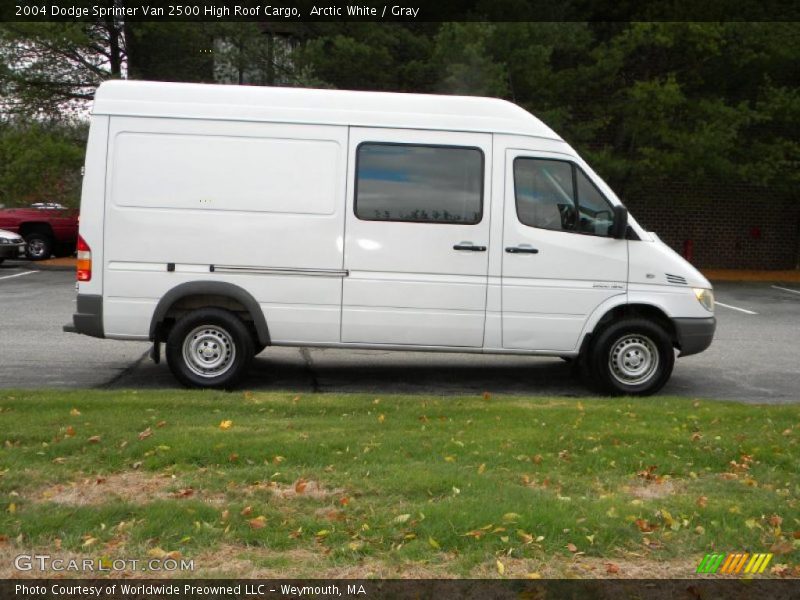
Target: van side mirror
x: 620, y: 228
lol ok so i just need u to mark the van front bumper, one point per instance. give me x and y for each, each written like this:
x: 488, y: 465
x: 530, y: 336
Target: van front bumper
x: 88, y: 320
x: 694, y: 335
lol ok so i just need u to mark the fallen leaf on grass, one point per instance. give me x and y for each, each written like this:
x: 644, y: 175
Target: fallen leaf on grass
x: 344, y: 500
x: 702, y: 501
x: 645, y: 526
x: 70, y: 431
x: 75, y: 412
x: 501, y: 568
x: 160, y: 553
x: 258, y: 523
x: 226, y: 424
x: 400, y: 519
x: 775, y: 521
x: 781, y: 570
x: 300, y: 486
x: 89, y: 541
x: 247, y: 510
x: 611, y: 568
x: 143, y: 435
x: 335, y: 515
x: 381, y: 418
x: 95, y: 439
x: 433, y: 543
x: 782, y: 547
x: 572, y: 547
x: 12, y: 508
x: 160, y: 424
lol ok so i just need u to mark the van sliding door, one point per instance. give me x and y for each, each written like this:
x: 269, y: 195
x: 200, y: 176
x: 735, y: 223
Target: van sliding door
x: 416, y: 238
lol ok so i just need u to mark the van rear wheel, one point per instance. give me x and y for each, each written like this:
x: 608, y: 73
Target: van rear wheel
x: 209, y: 348
x: 633, y: 357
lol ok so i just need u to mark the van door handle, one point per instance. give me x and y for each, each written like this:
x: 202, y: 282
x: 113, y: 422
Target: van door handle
x: 469, y: 246
x: 522, y: 250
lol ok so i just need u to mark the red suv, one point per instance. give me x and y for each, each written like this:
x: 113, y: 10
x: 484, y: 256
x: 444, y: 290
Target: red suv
x: 47, y: 229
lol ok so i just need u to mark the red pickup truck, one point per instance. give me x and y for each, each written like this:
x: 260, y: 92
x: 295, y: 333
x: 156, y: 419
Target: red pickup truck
x: 47, y: 229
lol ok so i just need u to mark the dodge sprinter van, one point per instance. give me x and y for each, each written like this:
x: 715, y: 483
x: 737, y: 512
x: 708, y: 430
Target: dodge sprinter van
x: 220, y: 220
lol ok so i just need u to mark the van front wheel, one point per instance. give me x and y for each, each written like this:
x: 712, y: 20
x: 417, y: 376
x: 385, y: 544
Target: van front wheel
x: 633, y: 357
x: 209, y: 348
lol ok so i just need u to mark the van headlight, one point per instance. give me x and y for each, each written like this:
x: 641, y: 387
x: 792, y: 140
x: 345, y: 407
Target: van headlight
x: 705, y: 297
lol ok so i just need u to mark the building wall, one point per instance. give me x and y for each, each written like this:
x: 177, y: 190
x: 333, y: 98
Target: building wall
x: 727, y: 227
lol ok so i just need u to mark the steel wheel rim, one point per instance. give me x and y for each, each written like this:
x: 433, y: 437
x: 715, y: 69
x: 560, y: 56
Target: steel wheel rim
x: 633, y: 359
x: 209, y: 351
x: 36, y: 248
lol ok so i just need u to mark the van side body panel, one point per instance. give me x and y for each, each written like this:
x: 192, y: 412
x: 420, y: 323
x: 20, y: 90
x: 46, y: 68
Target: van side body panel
x: 227, y: 202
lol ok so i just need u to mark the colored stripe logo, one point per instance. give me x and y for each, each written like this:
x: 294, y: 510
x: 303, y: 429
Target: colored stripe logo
x: 734, y: 563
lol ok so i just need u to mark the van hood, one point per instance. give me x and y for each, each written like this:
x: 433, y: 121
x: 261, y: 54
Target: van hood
x: 654, y: 263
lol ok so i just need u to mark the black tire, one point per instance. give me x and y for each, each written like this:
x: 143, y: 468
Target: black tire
x: 209, y: 335
x: 259, y: 348
x: 38, y: 246
x: 631, y: 357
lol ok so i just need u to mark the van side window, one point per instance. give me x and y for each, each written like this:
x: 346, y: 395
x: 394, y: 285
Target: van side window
x: 557, y: 195
x: 595, y: 213
x: 545, y: 193
x: 418, y: 183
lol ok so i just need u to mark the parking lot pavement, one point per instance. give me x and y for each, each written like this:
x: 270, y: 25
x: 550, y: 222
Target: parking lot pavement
x: 34, y: 352
x: 754, y: 357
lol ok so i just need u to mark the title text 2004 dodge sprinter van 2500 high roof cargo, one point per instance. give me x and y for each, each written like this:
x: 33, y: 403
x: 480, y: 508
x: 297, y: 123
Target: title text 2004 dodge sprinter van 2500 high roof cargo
x: 221, y: 220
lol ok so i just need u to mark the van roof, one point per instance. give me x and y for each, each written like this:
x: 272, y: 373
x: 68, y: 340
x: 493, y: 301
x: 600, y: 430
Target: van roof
x: 316, y: 106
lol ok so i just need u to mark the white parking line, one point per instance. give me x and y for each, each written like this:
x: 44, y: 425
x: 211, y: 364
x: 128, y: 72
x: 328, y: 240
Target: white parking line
x: 777, y: 287
x: 18, y: 274
x: 744, y: 310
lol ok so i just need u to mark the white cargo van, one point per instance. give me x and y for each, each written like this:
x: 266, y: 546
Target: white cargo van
x: 220, y: 220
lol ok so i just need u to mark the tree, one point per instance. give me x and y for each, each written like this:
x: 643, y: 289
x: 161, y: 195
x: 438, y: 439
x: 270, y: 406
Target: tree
x: 47, y: 68
x: 41, y: 162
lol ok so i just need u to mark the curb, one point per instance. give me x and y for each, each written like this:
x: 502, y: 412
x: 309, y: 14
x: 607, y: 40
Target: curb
x: 41, y: 266
x: 38, y: 267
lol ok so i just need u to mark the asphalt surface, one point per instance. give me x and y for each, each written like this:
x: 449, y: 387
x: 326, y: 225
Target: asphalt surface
x: 754, y: 357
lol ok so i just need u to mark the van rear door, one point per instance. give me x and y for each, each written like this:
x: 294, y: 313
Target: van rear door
x: 416, y: 238
x: 559, y: 259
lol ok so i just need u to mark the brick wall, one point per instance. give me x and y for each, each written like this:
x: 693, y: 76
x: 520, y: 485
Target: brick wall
x: 733, y: 226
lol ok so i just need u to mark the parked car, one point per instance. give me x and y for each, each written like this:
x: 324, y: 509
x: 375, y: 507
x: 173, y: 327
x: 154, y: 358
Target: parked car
x: 11, y: 245
x: 223, y: 219
x: 47, y: 229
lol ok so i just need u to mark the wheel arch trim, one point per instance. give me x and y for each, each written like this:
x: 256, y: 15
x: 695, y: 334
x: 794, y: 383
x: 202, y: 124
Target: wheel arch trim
x: 629, y: 299
x: 215, y: 288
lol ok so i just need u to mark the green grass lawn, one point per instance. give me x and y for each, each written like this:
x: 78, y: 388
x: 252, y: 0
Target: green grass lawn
x: 276, y: 484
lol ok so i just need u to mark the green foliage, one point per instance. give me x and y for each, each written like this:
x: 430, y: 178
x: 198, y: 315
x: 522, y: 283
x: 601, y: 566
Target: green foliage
x: 41, y: 162
x: 643, y: 101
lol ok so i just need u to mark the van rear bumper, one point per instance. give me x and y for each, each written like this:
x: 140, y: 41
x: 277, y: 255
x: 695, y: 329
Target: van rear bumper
x: 694, y: 335
x: 88, y: 320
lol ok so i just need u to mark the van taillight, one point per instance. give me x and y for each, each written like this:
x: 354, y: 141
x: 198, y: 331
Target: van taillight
x: 84, y: 260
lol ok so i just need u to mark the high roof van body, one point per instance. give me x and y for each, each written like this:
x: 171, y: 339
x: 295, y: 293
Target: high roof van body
x: 219, y: 220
